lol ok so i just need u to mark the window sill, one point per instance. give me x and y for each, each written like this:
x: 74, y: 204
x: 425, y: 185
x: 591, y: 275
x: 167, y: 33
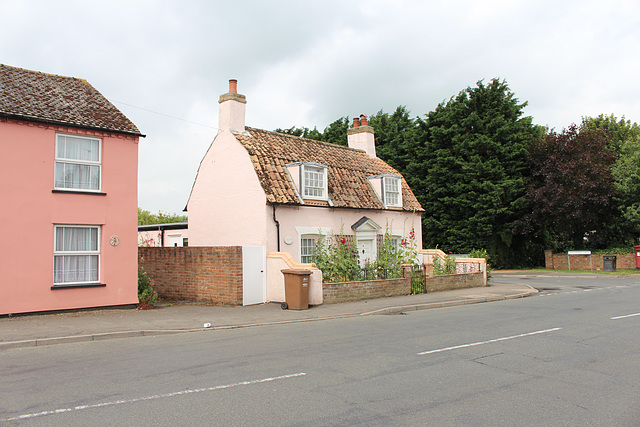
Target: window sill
x: 94, y: 193
x: 79, y: 285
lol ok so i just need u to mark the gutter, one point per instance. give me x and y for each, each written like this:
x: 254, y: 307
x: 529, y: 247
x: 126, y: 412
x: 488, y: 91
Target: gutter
x: 25, y: 118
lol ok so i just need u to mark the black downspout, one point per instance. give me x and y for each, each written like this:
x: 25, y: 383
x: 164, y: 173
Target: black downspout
x: 161, y: 229
x: 277, y: 226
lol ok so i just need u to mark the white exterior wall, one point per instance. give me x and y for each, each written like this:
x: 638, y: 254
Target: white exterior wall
x: 227, y: 206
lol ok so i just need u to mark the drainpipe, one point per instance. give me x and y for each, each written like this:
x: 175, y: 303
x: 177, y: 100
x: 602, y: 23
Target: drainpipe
x: 277, y: 225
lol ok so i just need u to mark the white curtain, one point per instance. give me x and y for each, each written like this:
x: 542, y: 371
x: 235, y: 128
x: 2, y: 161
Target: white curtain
x: 68, y: 147
x: 72, y: 175
x: 76, y: 267
x: 77, y: 175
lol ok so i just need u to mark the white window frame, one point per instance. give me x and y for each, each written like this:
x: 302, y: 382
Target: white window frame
x: 63, y: 161
x: 59, y: 255
x: 306, y: 257
x: 314, y: 192
x: 392, y: 191
x: 310, y: 232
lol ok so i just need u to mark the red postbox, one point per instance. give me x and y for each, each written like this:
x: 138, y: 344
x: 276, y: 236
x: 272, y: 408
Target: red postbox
x: 637, y: 251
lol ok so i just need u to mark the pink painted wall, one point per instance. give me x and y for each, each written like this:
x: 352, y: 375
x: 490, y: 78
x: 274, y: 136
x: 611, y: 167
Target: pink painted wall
x: 30, y: 210
x: 291, y: 217
x: 227, y: 206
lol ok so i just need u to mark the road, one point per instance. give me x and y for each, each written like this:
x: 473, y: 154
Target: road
x: 568, y: 356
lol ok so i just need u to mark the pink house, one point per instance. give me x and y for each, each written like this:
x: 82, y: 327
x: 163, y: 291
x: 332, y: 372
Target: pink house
x: 69, y: 171
x: 274, y: 193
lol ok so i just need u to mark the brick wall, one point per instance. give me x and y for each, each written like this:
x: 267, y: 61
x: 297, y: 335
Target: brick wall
x: 211, y: 275
x: 454, y: 281
x: 582, y: 262
x: 357, y: 291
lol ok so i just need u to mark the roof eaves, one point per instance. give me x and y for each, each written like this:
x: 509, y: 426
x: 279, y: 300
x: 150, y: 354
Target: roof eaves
x: 30, y: 118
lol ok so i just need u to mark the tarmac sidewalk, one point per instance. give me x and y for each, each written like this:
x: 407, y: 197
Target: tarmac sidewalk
x: 108, y: 323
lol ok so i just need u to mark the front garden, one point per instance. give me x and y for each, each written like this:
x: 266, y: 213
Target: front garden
x: 338, y: 259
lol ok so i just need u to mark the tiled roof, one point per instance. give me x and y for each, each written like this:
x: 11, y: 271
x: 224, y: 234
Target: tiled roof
x: 49, y: 98
x: 348, y: 170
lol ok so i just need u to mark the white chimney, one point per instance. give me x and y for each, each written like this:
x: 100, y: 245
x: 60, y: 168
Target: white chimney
x: 361, y: 136
x: 233, y: 107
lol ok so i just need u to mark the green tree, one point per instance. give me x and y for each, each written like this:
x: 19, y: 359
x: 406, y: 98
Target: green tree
x: 303, y: 132
x: 145, y: 217
x: 396, y: 136
x: 622, y: 228
x: 619, y: 131
x: 469, y: 173
x: 336, y: 132
x: 626, y: 174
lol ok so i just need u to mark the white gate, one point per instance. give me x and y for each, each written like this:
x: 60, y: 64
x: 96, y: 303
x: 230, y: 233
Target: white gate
x: 254, y: 268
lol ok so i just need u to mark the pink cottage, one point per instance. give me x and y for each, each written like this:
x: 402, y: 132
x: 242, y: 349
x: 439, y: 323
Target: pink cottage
x: 69, y: 170
x: 275, y: 194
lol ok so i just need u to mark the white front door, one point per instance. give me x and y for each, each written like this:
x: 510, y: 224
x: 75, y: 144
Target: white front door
x: 365, y: 251
x: 254, y: 282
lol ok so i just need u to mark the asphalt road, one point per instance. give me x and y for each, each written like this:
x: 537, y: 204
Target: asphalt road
x: 568, y: 356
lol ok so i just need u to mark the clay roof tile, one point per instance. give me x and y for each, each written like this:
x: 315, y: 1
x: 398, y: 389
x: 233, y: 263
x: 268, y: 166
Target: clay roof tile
x: 348, y: 170
x: 49, y: 98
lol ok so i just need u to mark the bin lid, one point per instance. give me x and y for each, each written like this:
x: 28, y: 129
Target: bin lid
x: 297, y: 271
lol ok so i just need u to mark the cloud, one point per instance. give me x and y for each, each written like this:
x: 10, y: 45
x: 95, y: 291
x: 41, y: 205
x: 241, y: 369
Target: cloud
x: 310, y: 63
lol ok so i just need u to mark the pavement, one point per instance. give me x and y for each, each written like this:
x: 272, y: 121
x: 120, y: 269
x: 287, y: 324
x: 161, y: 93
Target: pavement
x: 110, y: 323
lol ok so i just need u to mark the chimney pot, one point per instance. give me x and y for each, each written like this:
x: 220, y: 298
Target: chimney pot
x: 233, y: 86
x: 361, y: 136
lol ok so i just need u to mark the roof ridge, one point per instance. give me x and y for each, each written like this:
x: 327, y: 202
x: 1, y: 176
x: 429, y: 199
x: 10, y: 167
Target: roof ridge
x: 330, y: 144
x: 45, y: 73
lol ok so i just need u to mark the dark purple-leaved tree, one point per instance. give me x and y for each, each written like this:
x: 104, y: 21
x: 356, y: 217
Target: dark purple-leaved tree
x: 570, y: 189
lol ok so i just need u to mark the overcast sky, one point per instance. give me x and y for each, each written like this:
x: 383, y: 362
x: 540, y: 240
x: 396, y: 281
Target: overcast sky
x: 303, y: 63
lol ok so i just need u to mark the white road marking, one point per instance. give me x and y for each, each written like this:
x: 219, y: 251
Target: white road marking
x: 153, y: 397
x: 623, y: 317
x: 488, y: 342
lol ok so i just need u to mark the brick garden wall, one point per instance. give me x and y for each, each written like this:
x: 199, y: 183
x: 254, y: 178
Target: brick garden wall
x: 454, y: 281
x: 211, y: 275
x: 581, y: 262
x: 356, y: 291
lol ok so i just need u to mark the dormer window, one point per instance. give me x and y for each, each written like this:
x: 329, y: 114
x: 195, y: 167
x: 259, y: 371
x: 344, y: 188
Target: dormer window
x: 389, y: 189
x: 392, y: 191
x: 315, y: 182
x: 309, y: 180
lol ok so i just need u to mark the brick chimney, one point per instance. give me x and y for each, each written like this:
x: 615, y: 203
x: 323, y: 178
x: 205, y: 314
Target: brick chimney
x: 232, y: 110
x: 361, y: 136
